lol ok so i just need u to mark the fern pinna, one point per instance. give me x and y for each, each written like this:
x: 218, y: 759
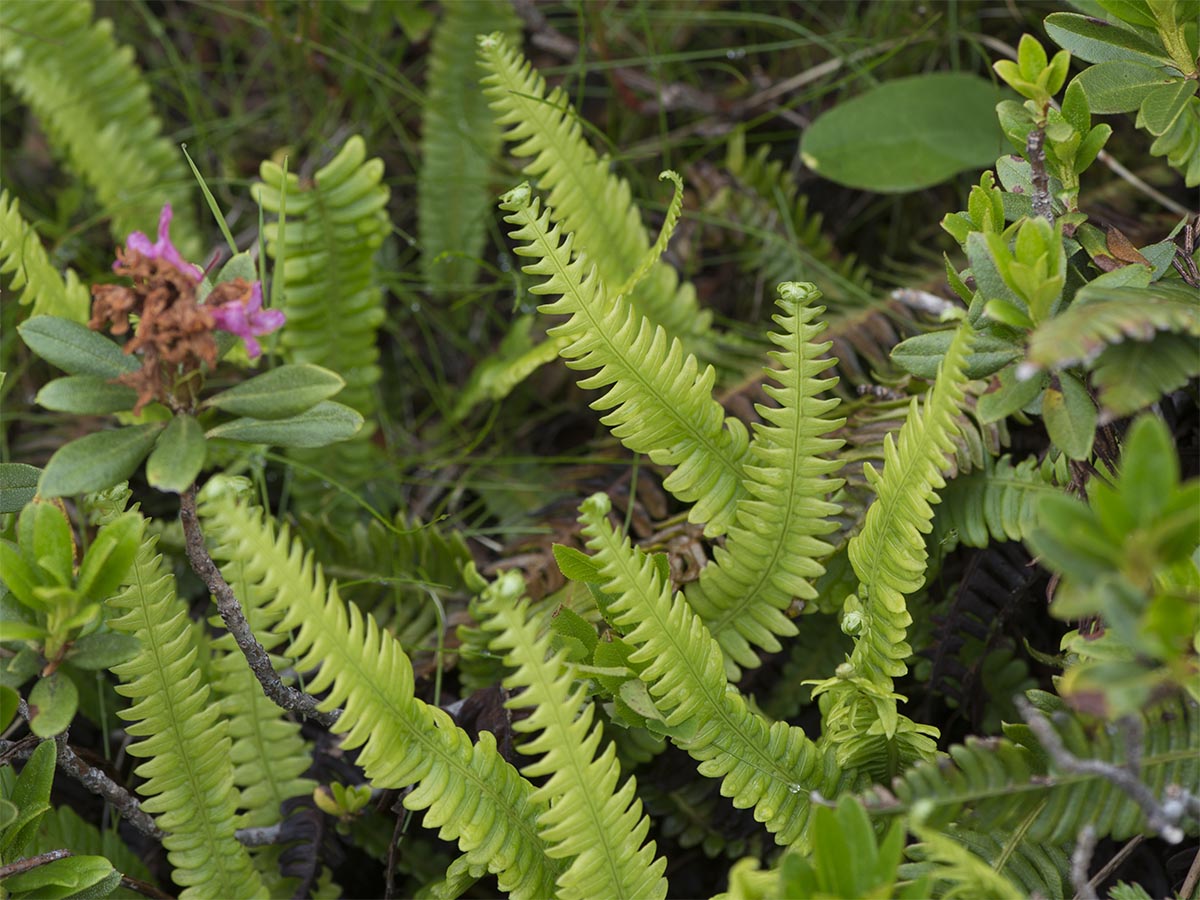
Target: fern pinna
x: 468, y: 790
x: 25, y: 261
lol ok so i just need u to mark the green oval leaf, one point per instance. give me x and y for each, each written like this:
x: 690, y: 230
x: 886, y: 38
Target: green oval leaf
x: 52, y: 702
x: 97, y: 461
x: 1164, y: 104
x: 1070, y: 417
x: 921, y: 354
x: 18, y: 485
x: 279, y: 394
x: 75, y: 348
x: 178, y: 455
x: 326, y: 423
x: 907, y: 134
x: 75, y: 877
x: 1119, y: 86
x: 108, y: 558
x: 9, y: 699
x: 102, y: 649
x: 1095, y: 41
x: 93, y: 395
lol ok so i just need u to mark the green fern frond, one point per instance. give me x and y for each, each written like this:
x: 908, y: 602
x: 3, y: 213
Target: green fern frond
x: 589, y: 820
x: 269, y: 756
x: 771, y: 553
x: 996, y: 784
x: 960, y: 872
x: 1036, y: 869
x: 770, y: 767
x: 468, y: 791
x: 996, y: 503
x: 662, y: 405
x: 889, y: 555
x: 788, y: 240
x: 588, y: 200
x: 95, y: 107
x: 24, y: 260
x: 1132, y: 375
x: 391, y: 569
x: 331, y: 297
x: 189, y: 775
x: 1099, y: 318
x: 518, y: 356
x: 862, y: 724
x: 459, y: 144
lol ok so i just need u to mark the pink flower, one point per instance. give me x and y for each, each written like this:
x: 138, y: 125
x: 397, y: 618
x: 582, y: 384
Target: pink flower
x: 247, y: 319
x: 162, y: 248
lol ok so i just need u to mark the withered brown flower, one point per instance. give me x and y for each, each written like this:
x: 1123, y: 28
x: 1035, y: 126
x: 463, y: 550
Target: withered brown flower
x: 174, y: 332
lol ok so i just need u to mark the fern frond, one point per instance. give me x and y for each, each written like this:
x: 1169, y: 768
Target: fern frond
x: 588, y: 200
x: 889, y: 555
x: 960, y: 872
x: 188, y: 771
x: 95, y: 107
x: 332, y: 300
x: 1099, y: 318
x: 1034, y: 868
x: 24, y: 260
x: 771, y: 553
x: 996, y: 503
x: 269, y: 756
x: 589, y: 820
x: 468, y: 791
x: 993, y: 784
x: 1134, y: 374
x: 770, y: 767
x: 390, y: 570
x: 861, y: 721
x: 518, y: 356
x: 789, y: 243
x: 662, y: 405
x: 459, y: 143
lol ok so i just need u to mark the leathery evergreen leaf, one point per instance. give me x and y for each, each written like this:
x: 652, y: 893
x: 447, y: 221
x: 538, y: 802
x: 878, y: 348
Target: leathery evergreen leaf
x: 470, y: 793
x: 661, y: 402
x: 772, y: 767
x: 770, y: 555
x: 589, y: 819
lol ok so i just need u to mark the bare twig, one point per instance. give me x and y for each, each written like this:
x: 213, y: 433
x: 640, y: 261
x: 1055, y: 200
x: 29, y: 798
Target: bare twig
x: 1035, y: 149
x: 32, y: 862
x: 1119, y: 857
x: 1192, y: 879
x: 101, y: 785
x: 141, y: 887
x: 91, y: 778
x: 260, y: 837
x: 235, y: 620
x: 1081, y: 861
x: 1160, y: 817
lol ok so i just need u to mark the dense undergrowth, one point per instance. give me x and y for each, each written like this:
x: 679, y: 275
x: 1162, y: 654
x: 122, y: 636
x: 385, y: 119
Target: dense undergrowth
x: 599, y: 449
